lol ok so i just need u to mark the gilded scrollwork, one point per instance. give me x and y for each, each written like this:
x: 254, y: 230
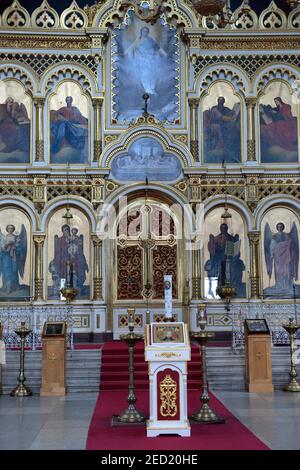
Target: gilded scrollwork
x: 168, y: 397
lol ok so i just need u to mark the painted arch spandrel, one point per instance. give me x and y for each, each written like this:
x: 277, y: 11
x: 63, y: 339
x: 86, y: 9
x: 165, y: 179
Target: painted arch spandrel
x: 69, y: 125
x: 280, y: 260
x: 68, y: 243
x: 221, y: 239
x: 279, y: 125
x: 15, y: 255
x: 145, y: 59
x: 15, y: 123
x: 222, y: 129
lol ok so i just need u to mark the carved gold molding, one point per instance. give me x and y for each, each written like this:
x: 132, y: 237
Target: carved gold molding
x: 44, y: 42
x: 253, y: 42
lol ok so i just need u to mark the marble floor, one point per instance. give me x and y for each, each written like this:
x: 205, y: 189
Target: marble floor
x: 62, y: 423
x: 272, y: 417
x: 46, y: 423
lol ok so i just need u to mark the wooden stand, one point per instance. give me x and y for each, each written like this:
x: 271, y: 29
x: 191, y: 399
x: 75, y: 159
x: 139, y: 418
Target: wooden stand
x: 168, y: 350
x: 258, y: 357
x: 54, y: 360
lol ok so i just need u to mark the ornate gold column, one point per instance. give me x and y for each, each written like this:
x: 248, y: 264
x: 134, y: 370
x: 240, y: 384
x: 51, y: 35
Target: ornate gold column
x: 97, y: 279
x: 194, y: 108
x: 196, y: 272
x: 251, y: 142
x: 39, y: 241
x: 97, y: 105
x: 254, y: 238
x: 39, y: 128
x: 39, y: 193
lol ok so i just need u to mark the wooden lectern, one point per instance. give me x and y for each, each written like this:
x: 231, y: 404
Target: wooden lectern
x: 54, y: 359
x: 258, y: 356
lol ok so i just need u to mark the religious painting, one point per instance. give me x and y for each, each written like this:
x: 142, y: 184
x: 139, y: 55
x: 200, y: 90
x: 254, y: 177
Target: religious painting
x: 167, y: 333
x: 222, y: 129
x: 224, y: 253
x: 281, y: 270
x: 146, y: 158
x: 15, y: 123
x: 278, y: 125
x: 69, y: 125
x: 68, y: 252
x: 143, y: 55
x: 15, y: 255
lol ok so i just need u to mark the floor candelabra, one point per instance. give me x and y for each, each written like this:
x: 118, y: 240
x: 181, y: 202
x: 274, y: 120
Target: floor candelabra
x: 292, y: 327
x: 206, y: 415
x: 21, y: 390
x: 131, y: 415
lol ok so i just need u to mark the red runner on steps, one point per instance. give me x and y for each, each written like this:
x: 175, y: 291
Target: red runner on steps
x: 114, y: 369
x: 113, y: 400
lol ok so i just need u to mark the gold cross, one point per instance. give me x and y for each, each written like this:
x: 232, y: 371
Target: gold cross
x: 259, y: 355
x: 52, y: 357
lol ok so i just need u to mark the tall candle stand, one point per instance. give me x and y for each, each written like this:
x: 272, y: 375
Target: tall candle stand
x: 21, y: 390
x: 131, y: 415
x: 206, y: 415
x: 292, y: 327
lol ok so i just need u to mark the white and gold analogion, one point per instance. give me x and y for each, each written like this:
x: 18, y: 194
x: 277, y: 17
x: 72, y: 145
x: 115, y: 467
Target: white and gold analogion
x: 168, y: 350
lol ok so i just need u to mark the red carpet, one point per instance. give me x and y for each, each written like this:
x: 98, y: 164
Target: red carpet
x: 88, y: 346
x: 114, y: 369
x: 101, y: 436
x: 113, y: 400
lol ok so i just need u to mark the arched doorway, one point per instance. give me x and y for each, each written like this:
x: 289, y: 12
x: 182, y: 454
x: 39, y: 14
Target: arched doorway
x: 147, y: 245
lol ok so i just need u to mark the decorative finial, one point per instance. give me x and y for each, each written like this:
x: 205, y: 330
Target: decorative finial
x: 145, y: 109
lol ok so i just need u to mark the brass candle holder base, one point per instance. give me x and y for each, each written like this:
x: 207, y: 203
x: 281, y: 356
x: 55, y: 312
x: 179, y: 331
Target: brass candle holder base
x: 207, y: 416
x: 21, y: 390
x: 131, y: 415
x: 292, y: 386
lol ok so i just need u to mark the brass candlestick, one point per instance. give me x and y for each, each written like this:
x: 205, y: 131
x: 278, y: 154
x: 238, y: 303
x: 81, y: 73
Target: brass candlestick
x: 22, y: 390
x: 205, y: 415
x: 131, y: 415
x: 292, y: 327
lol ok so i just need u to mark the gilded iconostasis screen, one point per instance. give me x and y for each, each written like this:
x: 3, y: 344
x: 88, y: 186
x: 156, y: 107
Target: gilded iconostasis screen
x: 15, y: 256
x: 15, y: 123
x: 222, y: 125
x: 279, y: 125
x: 281, y: 270
x: 69, y: 125
x: 145, y: 60
x: 68, y: 243
x: 224, y: 241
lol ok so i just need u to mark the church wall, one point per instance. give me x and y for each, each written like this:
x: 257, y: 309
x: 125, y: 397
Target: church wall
x: 75, y: 135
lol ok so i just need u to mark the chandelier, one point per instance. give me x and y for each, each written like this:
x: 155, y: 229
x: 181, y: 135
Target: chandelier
x: 293, y: 3
x: 208, y: 7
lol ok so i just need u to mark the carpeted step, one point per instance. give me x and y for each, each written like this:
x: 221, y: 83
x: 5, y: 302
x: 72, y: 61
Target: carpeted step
x: 141, y: 366
x: 140, y: 385
x: 115, y: 361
